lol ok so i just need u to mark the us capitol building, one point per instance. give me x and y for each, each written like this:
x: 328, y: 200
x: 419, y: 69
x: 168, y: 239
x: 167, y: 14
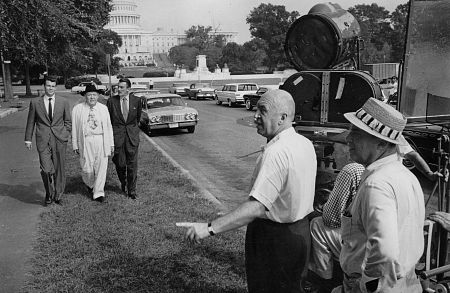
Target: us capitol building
x: 139, y: 46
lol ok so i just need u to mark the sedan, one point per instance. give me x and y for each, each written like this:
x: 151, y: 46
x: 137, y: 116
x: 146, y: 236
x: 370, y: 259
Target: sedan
x: 164, y: 111
x: 179, y: 88
x: 251, y: 100
x: 201, y: 91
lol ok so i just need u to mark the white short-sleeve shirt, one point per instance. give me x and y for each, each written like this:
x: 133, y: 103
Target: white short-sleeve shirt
x: 284, y: 177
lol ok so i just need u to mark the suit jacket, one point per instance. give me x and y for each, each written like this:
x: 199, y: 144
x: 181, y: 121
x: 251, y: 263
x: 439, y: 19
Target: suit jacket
x: 79, y: 116
x: 59, y: 127
x: 122, y: 128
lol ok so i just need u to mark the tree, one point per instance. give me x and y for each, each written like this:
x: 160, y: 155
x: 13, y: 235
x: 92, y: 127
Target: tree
x: 399, y: 19
x: 270, y: 23
x: 204, y: 38
x: 183, y: 54
x: 108, y: 43
x: 50, y: 33
x: 375, y: 28
x: 232, y: 55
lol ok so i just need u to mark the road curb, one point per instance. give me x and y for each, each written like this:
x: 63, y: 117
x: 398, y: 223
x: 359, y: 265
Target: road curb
x: 205, y: 193
x: 6, y: 112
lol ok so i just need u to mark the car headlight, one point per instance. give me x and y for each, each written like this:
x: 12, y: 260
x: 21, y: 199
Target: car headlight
x: 190, y: 116
x: 199, y: 90
x: 155, y: 119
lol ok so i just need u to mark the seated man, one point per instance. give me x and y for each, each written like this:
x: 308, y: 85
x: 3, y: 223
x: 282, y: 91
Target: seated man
x: 325, y: 230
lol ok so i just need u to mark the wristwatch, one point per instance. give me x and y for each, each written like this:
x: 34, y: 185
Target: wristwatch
x: 210, y: 229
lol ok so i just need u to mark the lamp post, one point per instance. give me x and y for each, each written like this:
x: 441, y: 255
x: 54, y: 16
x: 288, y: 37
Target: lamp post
x: 6, y: 71
x: 108, y: 64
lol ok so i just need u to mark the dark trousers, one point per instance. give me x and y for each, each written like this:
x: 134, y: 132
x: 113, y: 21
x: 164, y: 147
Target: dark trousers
x: 276, y: 255
x: 52, y: 162
x: 125, y: 159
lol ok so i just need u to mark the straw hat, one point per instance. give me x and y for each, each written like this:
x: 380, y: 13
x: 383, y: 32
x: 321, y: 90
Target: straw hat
x: 380, y: 120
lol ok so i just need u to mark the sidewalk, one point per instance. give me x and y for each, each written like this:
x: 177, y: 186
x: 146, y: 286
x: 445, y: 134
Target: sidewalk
x: 21, y: 197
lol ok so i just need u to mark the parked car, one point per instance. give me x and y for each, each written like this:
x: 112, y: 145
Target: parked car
x: 138, y: 92
x: 82, y: 86
x: 233, y: 93
x: 163, y: 111
x: 178, y: 88
x: 201, y: 91
x: 136, y: 85
x: 251, y: 100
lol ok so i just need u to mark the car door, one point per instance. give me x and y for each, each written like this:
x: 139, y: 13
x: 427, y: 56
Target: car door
x: 221, y: 95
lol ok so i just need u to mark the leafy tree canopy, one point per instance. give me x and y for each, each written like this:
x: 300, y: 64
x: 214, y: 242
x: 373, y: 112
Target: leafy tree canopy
x: 51, y: 33
x: 204, y: 38
x: 270, y: 23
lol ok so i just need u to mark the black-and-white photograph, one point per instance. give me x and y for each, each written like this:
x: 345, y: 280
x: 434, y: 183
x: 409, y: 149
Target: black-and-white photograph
x: 224, y: 146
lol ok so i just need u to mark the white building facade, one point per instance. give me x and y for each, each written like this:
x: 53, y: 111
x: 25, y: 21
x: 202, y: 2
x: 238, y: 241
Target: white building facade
x: 139, y: 45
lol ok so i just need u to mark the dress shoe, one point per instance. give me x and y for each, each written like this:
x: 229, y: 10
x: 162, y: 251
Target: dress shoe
x: 48, y: 201
x: 90, y: 190
x: 132, y: 195
x: 58, y: 201
x: 100, y: 199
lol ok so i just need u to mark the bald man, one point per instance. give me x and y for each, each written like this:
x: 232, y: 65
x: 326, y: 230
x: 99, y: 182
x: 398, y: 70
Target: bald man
x: 277, y: 240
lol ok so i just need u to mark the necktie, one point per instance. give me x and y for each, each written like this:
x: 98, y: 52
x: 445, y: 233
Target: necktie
x: 50, y: 112
x: 124, y: 109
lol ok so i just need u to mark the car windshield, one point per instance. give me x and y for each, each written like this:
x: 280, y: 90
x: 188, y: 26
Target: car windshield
x: 247, y: 87
x: 202, y: 85
x: 163, y: 102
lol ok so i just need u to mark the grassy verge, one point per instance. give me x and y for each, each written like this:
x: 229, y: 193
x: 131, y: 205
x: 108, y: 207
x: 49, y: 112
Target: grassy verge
x: 133, y: 246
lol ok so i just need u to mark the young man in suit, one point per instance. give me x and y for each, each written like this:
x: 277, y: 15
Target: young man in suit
x: 52, y: 118
x: 125, y: 112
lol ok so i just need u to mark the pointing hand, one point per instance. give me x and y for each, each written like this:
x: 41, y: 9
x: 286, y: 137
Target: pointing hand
x: 195, y: 231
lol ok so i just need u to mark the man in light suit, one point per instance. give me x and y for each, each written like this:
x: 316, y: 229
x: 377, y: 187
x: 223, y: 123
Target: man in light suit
x: 92, y: 140
x: 52, y: 118
x: 125, y: 110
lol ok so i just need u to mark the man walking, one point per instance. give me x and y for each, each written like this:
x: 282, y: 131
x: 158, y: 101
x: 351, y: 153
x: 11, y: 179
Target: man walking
x: 382, y: 230
x: 92, y: 140
x: 277, y: 239
x: 125, y: 111
x: 51, y: 117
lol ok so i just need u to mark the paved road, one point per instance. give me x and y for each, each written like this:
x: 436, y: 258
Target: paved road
x: 214, y: 153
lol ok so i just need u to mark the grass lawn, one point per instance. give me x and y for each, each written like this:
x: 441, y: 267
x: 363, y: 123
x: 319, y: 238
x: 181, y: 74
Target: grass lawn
x: 133, y: 246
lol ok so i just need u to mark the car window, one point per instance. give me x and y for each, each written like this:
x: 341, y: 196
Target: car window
x: 164, y: 102
x: 261, y: 90
x: 233, y: 88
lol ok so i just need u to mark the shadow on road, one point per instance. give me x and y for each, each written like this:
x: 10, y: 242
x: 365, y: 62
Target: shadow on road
x: 32, y: 194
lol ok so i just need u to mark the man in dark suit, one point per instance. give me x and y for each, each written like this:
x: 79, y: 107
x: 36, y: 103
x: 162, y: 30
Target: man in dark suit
x: 125, y: 112
x: 52, y: 118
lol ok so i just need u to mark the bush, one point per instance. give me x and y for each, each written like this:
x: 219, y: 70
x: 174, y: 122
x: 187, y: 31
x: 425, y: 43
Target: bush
x: 158, y: 74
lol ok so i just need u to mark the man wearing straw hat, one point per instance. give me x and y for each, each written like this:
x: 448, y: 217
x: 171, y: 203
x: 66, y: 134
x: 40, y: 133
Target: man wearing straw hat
x: 382, y: 230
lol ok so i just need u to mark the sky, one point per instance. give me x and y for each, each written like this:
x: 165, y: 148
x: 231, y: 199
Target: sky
x: 227, y: 15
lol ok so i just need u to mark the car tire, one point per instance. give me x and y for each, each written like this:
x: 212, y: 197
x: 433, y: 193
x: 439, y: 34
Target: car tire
x: 217, y: 101
x: 191, y: 129
x: 230, y: 103
x: 248, y: 105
